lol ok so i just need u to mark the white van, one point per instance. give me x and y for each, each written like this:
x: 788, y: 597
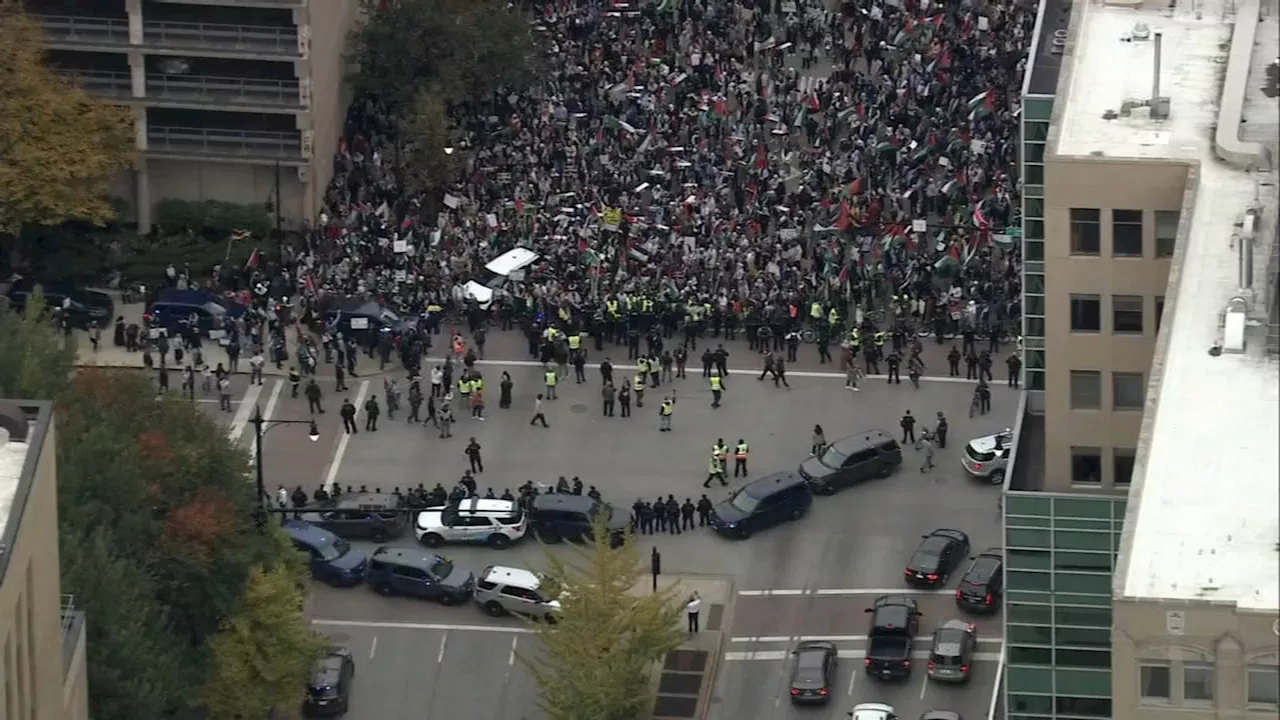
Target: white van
x: 509, y: 266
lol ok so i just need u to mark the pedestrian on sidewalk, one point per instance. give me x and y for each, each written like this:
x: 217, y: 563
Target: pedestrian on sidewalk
x: 691, y: 610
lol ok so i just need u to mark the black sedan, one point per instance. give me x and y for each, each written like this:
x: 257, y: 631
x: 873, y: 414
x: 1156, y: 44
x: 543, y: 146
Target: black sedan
x: 329, y: 687
x: 813, y: 670
x: 936, y: 558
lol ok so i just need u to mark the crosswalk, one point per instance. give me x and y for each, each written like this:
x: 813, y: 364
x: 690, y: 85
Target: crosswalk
x: 807, y: 83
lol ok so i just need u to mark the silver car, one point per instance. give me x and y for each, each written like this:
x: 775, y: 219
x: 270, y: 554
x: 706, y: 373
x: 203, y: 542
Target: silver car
x: 507, y: 590
x: 954, y: 645
x: 988, y: 457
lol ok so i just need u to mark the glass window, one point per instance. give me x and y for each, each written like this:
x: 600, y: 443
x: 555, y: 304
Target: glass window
x: 1159, y: 311
x: 1083, y: 637
x: 1197, y: 682
x: 1023, y: 655
x: 1014, y: 595
x: 1029, y: 580
x: 1128, y: 391
x: 1123, y: 461
x: 1166, y: 232
x: 1099, y: 707
x: 1035, y: 284
x: 1068, y: 561
x: 1036, y: 380
x: 1034, y: 152
x: 1081, y: 508
x: 1126, y: 233
x: 1029, y: 679
x: 1028, y: 559
x: 1082, y: 583
x: 1035, y: 305
x: 1035, y: 327
x: 1034, y: 249
x: 1154, y: 682
x: 1082, y: 616
x: 1029, y: 614
x: 1030, y: 634
x: 1086, y: 231
x: 1032, y: 522
x: 1033, y: 229
x: 1037, y: 108
x: 1034, y: 174
x: 1086, y: 390
x: 1086, y: 466
x: 1081, y: 540
x: 1086, y: 313
x: 1073, y: 523
x: 1126, y: 314
x: 1078, y: 681
x: 1029, y: 504
x: 1083, y: 658
x: 1035, y: 359
x: 1036, y: 131
x: 1264, y: 685
x: 1033, y: 207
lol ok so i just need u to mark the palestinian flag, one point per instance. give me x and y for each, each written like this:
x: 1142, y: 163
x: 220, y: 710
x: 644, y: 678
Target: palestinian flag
x: 253, y: 260
x: 982, y: 104
x: 980, y: 219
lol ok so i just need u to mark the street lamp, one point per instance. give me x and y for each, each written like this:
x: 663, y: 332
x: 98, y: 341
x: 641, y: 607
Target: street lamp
x: 260, y: 427
x: 448, y: 151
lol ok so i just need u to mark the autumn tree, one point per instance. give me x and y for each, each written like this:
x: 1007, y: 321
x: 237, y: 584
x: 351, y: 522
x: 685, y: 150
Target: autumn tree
x: 58, y: 149
x: 156, y: 531
x: 596, y: 660
x: 430, y: 159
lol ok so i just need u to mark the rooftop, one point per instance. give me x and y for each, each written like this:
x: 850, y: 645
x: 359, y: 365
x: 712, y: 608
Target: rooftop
x: 23, y: 425
x: 1205, y: 525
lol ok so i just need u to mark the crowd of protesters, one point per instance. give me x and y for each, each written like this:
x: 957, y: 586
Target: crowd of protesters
x: 679, y: 162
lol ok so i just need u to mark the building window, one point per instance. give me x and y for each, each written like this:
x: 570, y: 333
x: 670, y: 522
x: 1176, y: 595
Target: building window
x: 1086, y: 390
x: 1123, y: 462
x: 1126, y: 314
x: 1086, y: 313
x: 1197, y: 682
x: 1264, y: 685
x: 1159, y: 311
x: 1155, y: 682
x: 1126, y: 233
x: 1083, y: 706
x: 1086, y: 231
x: 1128, y: 391
x: 1086, y: 466
x: 1166, y: 232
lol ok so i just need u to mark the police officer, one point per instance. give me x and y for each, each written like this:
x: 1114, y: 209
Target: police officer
x: 940, y: 431
x: 740, y: 458
x: 637, y: 386
x: 715, y: 471
x: 348, y: 413
x: 664, y: 414
x: 686, y: 514
x: 894, y: 362
x: 704, y: 510
x: 637, y: 516
x: 908, y: 425
x: 717, y: 389
x: 953, y: 362
x: 550, y: 378
x: 607, y: 394
x: 624, y: 399
x: 294, y: 381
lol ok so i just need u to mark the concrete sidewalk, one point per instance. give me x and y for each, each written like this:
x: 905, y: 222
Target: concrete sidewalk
x: 684, y: 683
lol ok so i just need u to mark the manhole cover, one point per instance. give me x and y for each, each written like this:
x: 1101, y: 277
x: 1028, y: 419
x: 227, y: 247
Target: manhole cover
x: 577, y: 408
x: 680, y: 683
x: 686, y: 661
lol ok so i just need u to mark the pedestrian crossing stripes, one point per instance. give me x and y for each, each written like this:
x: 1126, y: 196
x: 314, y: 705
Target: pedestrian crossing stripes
x: 806, y: 83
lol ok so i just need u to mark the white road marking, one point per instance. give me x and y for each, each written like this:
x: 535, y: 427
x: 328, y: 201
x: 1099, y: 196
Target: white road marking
x: 511, y: 660
x: 423, y: 626
x: 853, y: 680
x: 794, y: 592
x: 924, y: 684
x: 210, y: 401
x: 331, y: 473
x: 247, y: 403
x: 775, y: 655
x: 373, y: 647
x: 695, y: 372
x: 770, y: 639
x: 270, y: 411
x: 443, y: 639
x: 771, y: 593
x: 995, y: 689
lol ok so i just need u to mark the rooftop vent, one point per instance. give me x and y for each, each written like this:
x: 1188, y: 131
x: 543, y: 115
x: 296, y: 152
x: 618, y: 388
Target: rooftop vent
x: 1157, y: 105
x: 1234, y: 321
x: 13, y: 422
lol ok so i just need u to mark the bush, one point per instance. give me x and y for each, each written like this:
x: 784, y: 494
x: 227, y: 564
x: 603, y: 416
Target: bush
x: 213, y: 218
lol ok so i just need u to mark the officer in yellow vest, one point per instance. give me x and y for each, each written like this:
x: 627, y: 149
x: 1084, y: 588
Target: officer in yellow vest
x: 477, y: 384
x: 564, y: 315
x: 575, y: 342
x: 855, y: 339
x: 664, y: 414
x: 612, y: 306
x: 642, y: 366
x: 464, y: 388
x: 720, y: 450
x: 740, y: 458
x: 637, y: 387
x: 815, y: 311
x: 880, y: 337
x: 551, y: 379
x: 833, y: 318
x: 717, y: 388
x: 715, y: 471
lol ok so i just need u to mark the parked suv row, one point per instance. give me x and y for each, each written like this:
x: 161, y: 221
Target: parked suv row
x: 552, y: 518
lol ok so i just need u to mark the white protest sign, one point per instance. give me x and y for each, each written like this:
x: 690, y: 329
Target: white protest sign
x: 400, y: 247
x: 359, y: 323
x: 401, y: 276
x: 788, y: 6
x: 919, y: 226
x: 984, y: 24
x: 452, y: 201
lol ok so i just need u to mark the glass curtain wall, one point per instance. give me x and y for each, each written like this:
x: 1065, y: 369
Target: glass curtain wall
x: 1036, y: 112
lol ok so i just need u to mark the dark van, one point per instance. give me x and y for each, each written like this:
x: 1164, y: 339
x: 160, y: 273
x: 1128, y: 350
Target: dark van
x: 177, y: 310
x: 850, y: 460
x: 761, y: 504
x: 84, y: 308
x: 333, y: 561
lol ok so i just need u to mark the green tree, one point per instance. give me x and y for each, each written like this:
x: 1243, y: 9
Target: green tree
x: 259, y: 650
x: 156, y: 529
x: 58, y: 149
x: 429, y: 161
x: 461, y: 48
x: 595, y: 662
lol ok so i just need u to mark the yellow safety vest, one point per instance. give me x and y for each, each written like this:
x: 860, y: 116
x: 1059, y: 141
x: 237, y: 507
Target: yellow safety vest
x: 551, y: 378
x: 638, y: 383
x: 648, y: 305
x: 815, y: 311
x: 477, y: 385
x: 575, y: 342
x: 833, y: 317
x: 464, y: 386
x: 433, y: 308
x: 667, y: 407
x: 742, y: 451
x: 613, y: 307
x: 642, y: 364
x: 564, y: 314
x: 879, y: 338
x: 714, y: 466
x: 716, y: 383
x: 719, y: 451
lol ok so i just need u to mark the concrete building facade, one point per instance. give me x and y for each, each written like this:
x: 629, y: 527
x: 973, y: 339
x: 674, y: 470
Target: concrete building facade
x: 232, y: 99
x: 42, y: 635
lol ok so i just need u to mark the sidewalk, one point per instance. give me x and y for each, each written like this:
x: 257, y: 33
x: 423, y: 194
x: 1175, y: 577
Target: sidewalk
x: 684, y: 683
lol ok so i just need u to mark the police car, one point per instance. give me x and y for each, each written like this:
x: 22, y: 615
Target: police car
x: 474, y: 520
x: 987, y: 458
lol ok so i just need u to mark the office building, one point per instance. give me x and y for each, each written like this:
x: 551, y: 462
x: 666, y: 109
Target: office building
x: 1141, y: 514
x: 231, y: 98
x: 42, y: 635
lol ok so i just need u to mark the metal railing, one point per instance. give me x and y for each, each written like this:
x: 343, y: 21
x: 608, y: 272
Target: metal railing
x: 242, y: 38
x: 225, y: 143
x: 240, y: 91
x: 80, y: 30
x: 101, y: 82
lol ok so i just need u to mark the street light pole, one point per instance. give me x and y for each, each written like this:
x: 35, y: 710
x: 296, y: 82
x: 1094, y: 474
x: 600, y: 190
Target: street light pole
x: 260, y: 427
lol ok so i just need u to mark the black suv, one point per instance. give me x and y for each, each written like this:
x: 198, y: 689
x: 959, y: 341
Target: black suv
x: 329, y: 687
x: 419, y: 573
x: 559, y: 516
x: 359, y: 517
x: 982, y: 586
x: 84, y: 308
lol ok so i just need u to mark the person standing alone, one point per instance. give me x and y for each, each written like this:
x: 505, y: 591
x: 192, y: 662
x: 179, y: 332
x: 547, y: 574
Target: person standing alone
x: 691, y: 610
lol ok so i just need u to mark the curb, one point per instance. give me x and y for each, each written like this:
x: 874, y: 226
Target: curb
x: 707, y: 697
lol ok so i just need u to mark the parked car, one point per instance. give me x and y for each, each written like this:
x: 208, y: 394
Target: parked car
x: 333, y: 561
x: 873, y: 711
x: 507, y: 590
x: 417, y: 573
x: 981, y: 589
x: 987, y: 457
x: 84, y: 308
x: 177, y: 310
x: 354, y: 317
x: 362, y: 516
x: 761, y: 504
x: 851, y: 460
x: 329, y: 687
x: 554, y: 517
x: 475, y: 521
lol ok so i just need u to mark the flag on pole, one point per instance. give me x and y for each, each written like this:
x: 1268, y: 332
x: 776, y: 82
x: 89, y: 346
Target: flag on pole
x: 253, y: 259
x: 982, y: 103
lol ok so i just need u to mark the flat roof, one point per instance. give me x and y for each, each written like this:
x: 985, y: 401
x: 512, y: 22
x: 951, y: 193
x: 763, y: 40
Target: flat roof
x: 13, y: 461
x: 18, y: 459
x: 1204, y: 513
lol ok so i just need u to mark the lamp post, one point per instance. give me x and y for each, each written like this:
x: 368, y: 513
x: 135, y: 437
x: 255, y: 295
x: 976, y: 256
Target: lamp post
x: 260, y: 427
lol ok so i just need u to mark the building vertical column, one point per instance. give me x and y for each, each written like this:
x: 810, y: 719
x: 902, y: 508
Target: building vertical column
x: 137, y: 73
x: 1231, y: 677
x: 141, y: 174
x: 134, y: 8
